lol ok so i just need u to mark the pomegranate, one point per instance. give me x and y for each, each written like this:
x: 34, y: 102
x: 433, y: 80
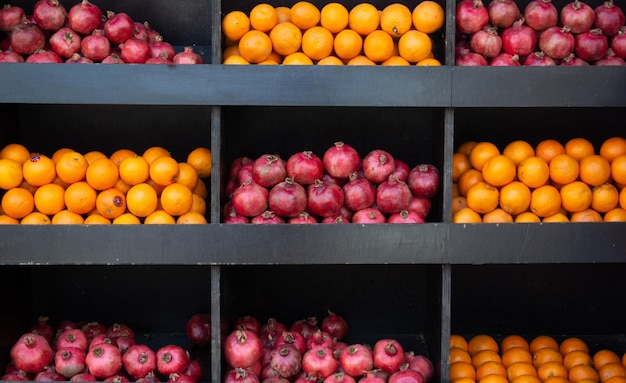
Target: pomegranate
x: 187, y: 56
x: 287, y: 198
x: 44, y: 329
x: 406, y: 375
x: 368, y: 215
x: 610, y: 60
x: 267, y: 217
x: 152, y: 33
x: 319, y: 338
x: 171, y: 359
x: 388, y: 355
x: 31, y: 353
x: 70, y: 361
x: 339, y: 377
x: 539, y: 58
x: 77, y: 58
x: 393, y: 196
x: 421, y: 364
x: 319, y: 361
x: 618, y: 43
x: 250, y: 199
x: 609, y: 18
x: 471, y: 16
x: 15, y: 376
x: 303, y: 218
x: 520, y: 39
x: 113, y: 58
x: 10, y: 57
x: 119, y: 330
x: 272, y: 329
x: 286, y: 360
x: 405, y: 216
x: 577, y: 16
x: 340, y: 160
x: 402, y: 170
x: 84, y: 17
x: 65, y: 42
x: 83, y: 377
x: 95, y: 46
x: 150, y: 378
x: 293, y: 338
x: 247, y: 322
x: 99, y: 339
x: 356, y: 359
x: 305, y: 326
x: 359, y: 193
x: 335, y: 219
x: 242, y: 348
x: 378, y: 165
x: 162, y: 49
x: 141, y: 32
x: 335, y: 325
x: 194, y: 370
x: 304, y: 167
x: 123, y: 342
x: 26, y: 38
x: 104, y: 360
x: 591, y: 45
x: 48, y: 375
x: 541, y: 15
x: 465, y: 57
x: 503, y: 13
x: 135, y: 51
x: 73, y: 337
x: 10, y: 16
x: 198, y: 329
x: 372, y: 376
x: 119, y: 27
x: 268, y: 170
x: 44, y: 56
x: 234, y: 218
x: 424, y: 180
x: 573, y: 60
x: 486, y: 42
x: 50, y: 15
x: 557, y: 42
x: 324, y: 199
x: 180, y: 378
x: 240, y: 375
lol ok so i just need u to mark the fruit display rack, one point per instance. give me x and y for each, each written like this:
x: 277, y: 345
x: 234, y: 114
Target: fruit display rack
x: 435, y: 279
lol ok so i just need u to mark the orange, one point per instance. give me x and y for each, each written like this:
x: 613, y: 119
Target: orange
x: 550, y: 369
x: 58, y: 153
x: 487, y: 355
x: 395, y: 61
x: 164, y: 170
x: 576, y: 196
x: 317, y: 42
x: 587, y: 215
x: 583, y: 371
x: 305, y: 15
x: 499, y: 170
x: 557, y: 217
x: 17, y: 203
x: 16, y: 152
x: 360, y: 60
x: 102, y: 174
x: 201, y: 189
x: 545, y: 201
x: 141, y: 200
x: 6, y: 220
x: 556, y: 379
x: 231, y: 50
x: 605, y: 197
x: 518, y: 151
x: 330, y: 60
x: 111, y: 203
x: 549, y: 148
x: 80, y: 197
x: 122, y: 186
x: 490, y: 368
x: 429, y: 61
x: 460, y: 164
x: 513, y: 340
x: 191, y: 218
x: 347, y: 44
x: 462, y: 370
x: 297, y: 58
x: 615, y: 379
x: 611, y: 148
x: 39, y: 170
x: 283, y: 13
x: 93, y: 155
x: 481, y: 152
x: 468, y: 179
x: 459, y: 355
x: 618, y: 169
x: 414, y: 46
x: 516, y: 354
x: 235, y: 24
x: 515, y: 197
x: 334, y: 17
x: 10, y: 174
x: 159, y: 217
x: 458, y: 202
x: 611, y: 369
x: 126, y: 219
x: 134, y: 170
x: 526, y: 379
x: 564, y: 169
x: 615, y: 215
x: 595, y: 170
x: 396, y: 19
x: 493, y: 378
x: 71, y: 167
x: 466, y: 147
x: 533, y: 171
x: 286, y: 38
x: 36, y: 218
x: 547, y: 354
x: 378, y: 46
x: 577, y: 357
x: 187, y: 175
x: 542, y: 341
x: 96, y: 219
x: 518, y: 369
x: 120, y: 154
x: 263, y: 17
x: 428, y: 16
x: 50, y: 198
x: 176, y: 199
x: 466, y: 215
x: 236, y: 60
x: 255, y: 46
x: 527, y: 217
x: 481, y: 342
x: 459, y: 341
x: 482, y: 197
x: 464, y: 380
x: 579, y: 148
x: 454, y: 191
x: 66, y: 217
x: 622, y: 198
x: 497, y: 215
x: 364, y: 18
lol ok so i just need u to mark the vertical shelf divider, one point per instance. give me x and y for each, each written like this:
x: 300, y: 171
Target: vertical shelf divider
x: 216, y: 325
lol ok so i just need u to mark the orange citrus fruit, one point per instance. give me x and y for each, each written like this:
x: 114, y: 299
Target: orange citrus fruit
x: 576, y: 357
x: 360, y: 60
x: 518, y: 151
x: 579, y: 148
x: 604, y: 356
x: 497, y: 215
x: 482, y: 197
x: 615, y: 215
x: 499, y: 170
x: 10, y: 174
x: 564, y: 169
x: 71, y: 167
x: 187, y: 175
x: 39, y: 170
x: 164, y: 170
x: 533, y: 171
x: 545, y: 201
x: 159, y: 217
x: 466, y: 215
x: 134, y: 170
x: 50, y: 198
x: 126, y: 219
x: 305, y: 14
x: 611, y: 148
x: 527, y: 217
x: 428, y: 16
x: 36, y: 218
x: 595, y: 170
x: 542, y: 341
x: 286, y: 38
x: 263, y: 17
x: 414, y: 46
x: 378, y: 46
x: 395, y: 61
x: 176, y: 199
x: 141, y: 200
x: 102, y: 174
x: 396, y: 19
x: 605, y: 197
x: 255, y: 46
x: 120, y: 154
x: 66, y: 217
x: 17, y: 203
x: 80, y: 197
x: 515, y: 197
x: 458, y: 341
x: 235, y: 24
x: 111, y: 203
x: 516, y: 354
x: 16, y: 152
x: 317, y: 42
x: 334, y: 17
x: 191, y: 218
x: 549, y: 148
x: 364, y: 18
x: 618, y: 169
x: 297, y: 58
x: 462, y: 370
x: 480, y: 342
x: 576, y: 196
x: 347, y: 44
x: 481, y: 152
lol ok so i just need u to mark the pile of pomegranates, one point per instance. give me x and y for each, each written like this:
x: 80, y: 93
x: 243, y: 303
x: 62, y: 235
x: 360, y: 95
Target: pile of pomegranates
x: 502, y: 33
x: 310, y: 352
x: 339, y: 186
x: 83, y: 34
x: 89, y: 352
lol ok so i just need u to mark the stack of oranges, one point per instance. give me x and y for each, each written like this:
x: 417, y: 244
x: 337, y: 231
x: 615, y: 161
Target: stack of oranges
x: 554, y: 181
x: 514, y: 359
x: 304, y: 34
x: 69, y: 187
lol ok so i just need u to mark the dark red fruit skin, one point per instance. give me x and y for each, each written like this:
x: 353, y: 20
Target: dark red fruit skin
x: 119, y: 27
x: 26, y: 38
x: 65, y: 42
x: 50, y: 15
x: 10, y: 16
x: 84, y: 17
